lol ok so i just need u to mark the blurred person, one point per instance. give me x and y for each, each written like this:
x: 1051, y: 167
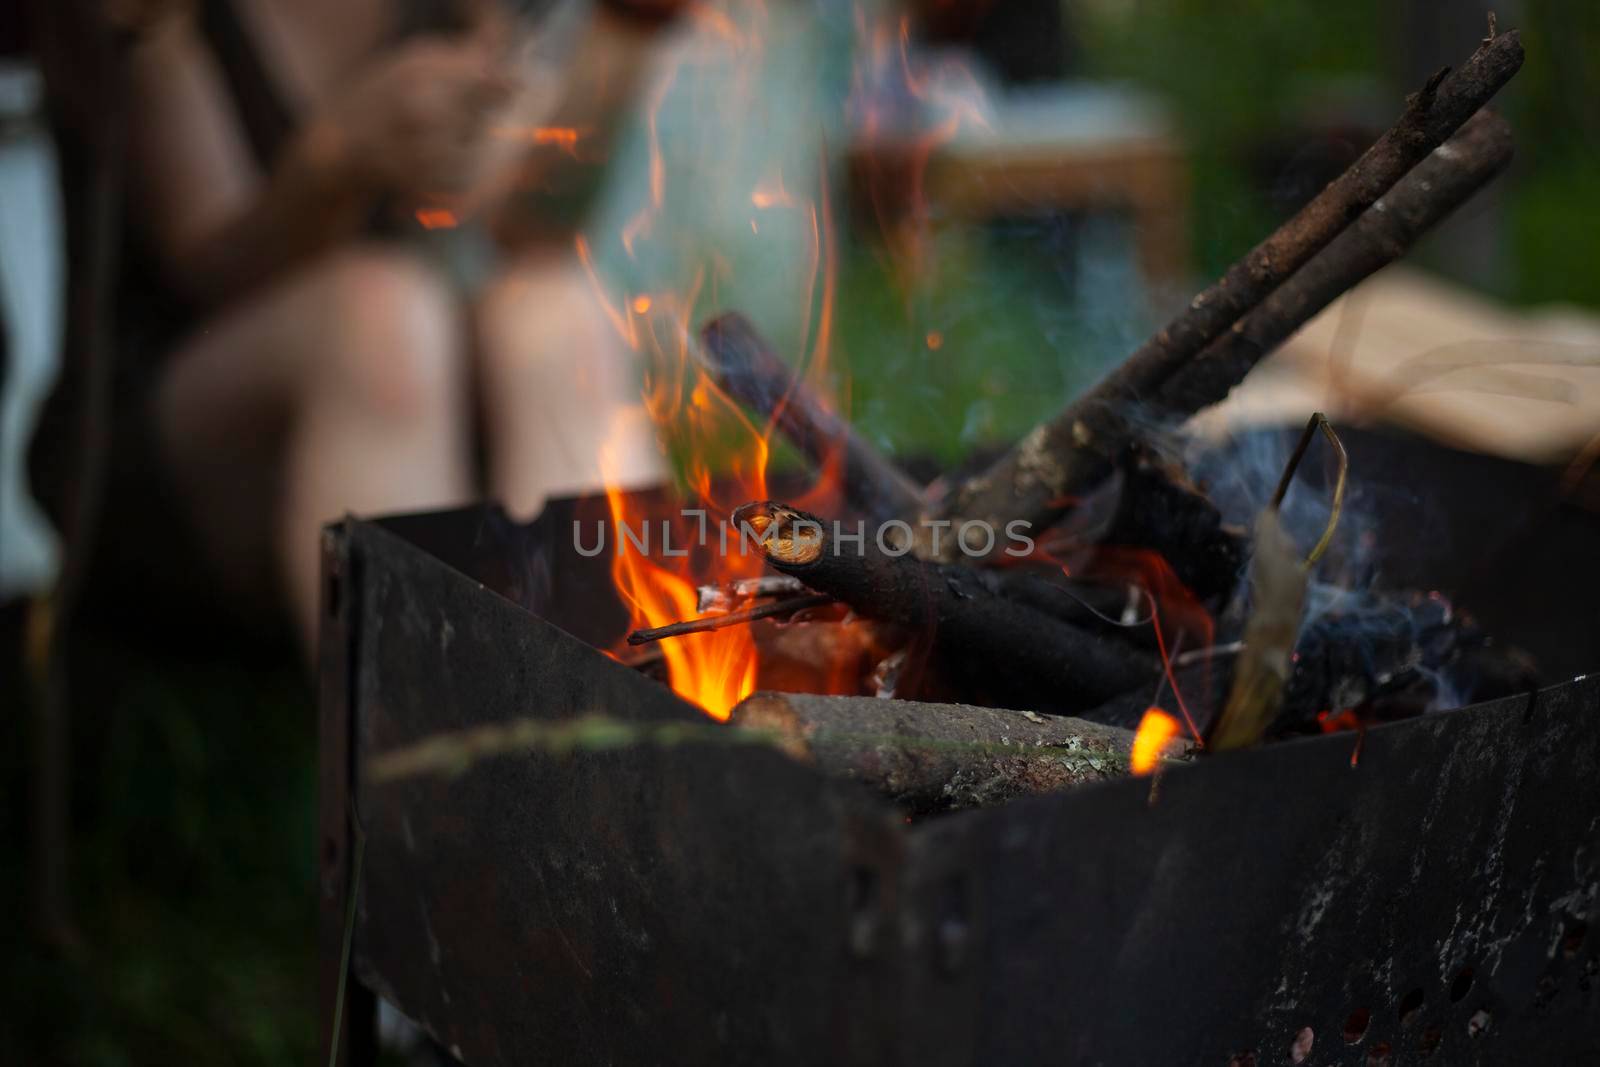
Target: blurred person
x: 330, y: 370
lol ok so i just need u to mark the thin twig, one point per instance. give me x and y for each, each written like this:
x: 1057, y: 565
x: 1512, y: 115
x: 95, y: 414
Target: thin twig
x: 1317, y: 421
x: 788, y: 606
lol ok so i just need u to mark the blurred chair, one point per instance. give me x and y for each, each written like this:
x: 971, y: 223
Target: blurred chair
x: 1037, y: 151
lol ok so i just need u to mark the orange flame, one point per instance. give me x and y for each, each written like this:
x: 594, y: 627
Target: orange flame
x: 1156, y: 731
x: 715, y: 670
x: 722, y: 452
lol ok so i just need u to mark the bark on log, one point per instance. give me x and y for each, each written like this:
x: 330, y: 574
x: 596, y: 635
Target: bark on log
x: 1448, y: 178
x: 942, y: 757
x: 1018, y: 654
x: 1075, y: 447
x: 741, y: 362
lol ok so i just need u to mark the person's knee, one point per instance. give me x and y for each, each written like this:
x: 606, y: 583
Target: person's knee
x: 544, y: 328
x: 392, y: 341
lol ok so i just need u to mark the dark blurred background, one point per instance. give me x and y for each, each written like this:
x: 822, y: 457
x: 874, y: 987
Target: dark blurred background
x: 191, y: 867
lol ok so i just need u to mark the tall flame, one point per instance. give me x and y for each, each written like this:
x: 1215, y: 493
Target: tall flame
x: 722, y: 452
x: 715, y: 670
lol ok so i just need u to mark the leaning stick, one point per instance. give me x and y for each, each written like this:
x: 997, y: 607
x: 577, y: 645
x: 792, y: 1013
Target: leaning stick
x: 1448, y: 178
x: 1018, y: 652
x: 741, y: 362
x: 1075, y: 447
x: 941, y: 757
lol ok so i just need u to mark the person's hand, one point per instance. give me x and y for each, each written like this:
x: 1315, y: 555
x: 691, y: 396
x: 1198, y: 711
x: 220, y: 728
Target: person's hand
x: 416, y: 122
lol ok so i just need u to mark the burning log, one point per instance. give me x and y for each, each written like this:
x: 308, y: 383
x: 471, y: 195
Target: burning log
x: 1076, y: 447
x: 1146, y: 506
x: 942, y: 757
x: 1441, y: 183
x: 1029, y: 656
x: 741, y: 362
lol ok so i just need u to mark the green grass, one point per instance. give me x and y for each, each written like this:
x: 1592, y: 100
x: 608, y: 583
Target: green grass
x: 193, y: 870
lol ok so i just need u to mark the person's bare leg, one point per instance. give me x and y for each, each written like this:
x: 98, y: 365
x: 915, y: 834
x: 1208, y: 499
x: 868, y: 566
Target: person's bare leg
x: 342, y: 390
x: 559, y: 386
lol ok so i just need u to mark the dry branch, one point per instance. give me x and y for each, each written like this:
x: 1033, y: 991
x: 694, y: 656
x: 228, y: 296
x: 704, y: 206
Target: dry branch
x: 741, y: 362
x: 1075, y: 448
x: 940, y: 757
x: 1440, y: 184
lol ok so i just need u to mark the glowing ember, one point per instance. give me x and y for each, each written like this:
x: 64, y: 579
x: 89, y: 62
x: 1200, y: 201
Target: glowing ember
x: 1156, y: 730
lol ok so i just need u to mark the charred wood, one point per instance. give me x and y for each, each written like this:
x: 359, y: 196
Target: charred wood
x: 1023, y: 655
x: 1146, y: 506
x: 1391, y: 656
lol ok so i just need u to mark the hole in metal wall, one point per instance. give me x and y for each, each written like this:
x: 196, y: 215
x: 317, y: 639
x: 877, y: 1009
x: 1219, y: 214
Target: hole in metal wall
x: 864, y: 915
x: 1572, y: 939
x: 1410, y: 1004
x: 1355, y: 1027
x: 1247, y: 1058
x: 1379, y: 1055
x: 1430, y: 1039
x: 1461, y: 986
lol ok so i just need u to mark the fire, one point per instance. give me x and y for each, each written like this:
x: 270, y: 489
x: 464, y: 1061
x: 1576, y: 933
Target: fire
x: 721, y: 452
x: 724, y: 460
x: 1156, y: 730
x: 715, y: 670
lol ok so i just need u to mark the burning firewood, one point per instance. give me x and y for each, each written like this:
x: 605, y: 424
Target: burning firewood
x: 1026, y: 655
x: 942, y: 757
x: 740, y: 361
x: 1145, y: 506
x: 1077, y: 447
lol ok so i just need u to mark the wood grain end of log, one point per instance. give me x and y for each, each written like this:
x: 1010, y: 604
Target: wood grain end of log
x: 772, y: 713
